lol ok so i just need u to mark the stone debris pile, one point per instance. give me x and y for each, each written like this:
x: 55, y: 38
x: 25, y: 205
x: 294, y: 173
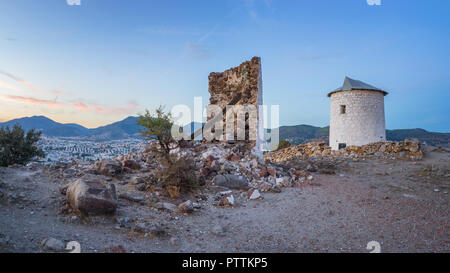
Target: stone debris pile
x: 96, y: 188
x: 410, y: 149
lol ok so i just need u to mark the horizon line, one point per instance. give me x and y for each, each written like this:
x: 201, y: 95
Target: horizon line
x: 441, y: 132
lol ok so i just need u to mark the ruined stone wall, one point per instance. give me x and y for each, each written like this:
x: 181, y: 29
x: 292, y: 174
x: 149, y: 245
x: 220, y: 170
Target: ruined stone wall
x: 409, y: 149
x: 244, y: 79
x: 363, y: 121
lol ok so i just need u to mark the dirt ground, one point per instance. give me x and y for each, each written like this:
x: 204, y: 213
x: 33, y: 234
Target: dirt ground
x: 403, y: 205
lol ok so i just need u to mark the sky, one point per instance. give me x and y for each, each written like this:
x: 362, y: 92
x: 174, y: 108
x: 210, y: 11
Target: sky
x: 103, y: 60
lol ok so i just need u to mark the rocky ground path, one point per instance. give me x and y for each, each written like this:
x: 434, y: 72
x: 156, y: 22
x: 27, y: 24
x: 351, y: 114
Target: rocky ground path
x: 403, y: 205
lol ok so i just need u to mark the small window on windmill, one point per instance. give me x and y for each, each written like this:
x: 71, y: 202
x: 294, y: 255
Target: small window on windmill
x: 343, y: 109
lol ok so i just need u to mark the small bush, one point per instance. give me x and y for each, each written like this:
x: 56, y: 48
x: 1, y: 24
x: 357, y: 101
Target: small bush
x: 16, y: 147
x: 177, y: 174
x: 158, y: 126
x: 283, y: 144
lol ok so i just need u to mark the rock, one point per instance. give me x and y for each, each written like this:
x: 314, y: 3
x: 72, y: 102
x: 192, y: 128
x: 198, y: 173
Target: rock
x: 141, y: 187
x: 167, y: 206
x: 265, y: 186
x: 226, y: 200
x: 275, y: 189
x: 271, y: 171
x: 235, y: 158
x: 227, y: 167
x: 310, y: 177
x: 254, y: 194
x: 262, y: 173
x: 109, y: 167
x: 186, y: 206
x: 231, y: 181
x: 283, y: 182
x: 123, y: 221
x: 131, y: 164
x: 137, y: 180
x: 155, y: 229
x: 75, y: 219
x: 132, y: 198
x: 408, y: 149
x: 209, y: 160
x: 90, y: 196
x: 52, y: 245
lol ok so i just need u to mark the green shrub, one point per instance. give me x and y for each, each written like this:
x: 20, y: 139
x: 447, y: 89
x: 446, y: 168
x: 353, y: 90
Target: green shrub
x: 178, y: 173
x: 16, y: 147
x: 158, y: 126
x: 283, y: 144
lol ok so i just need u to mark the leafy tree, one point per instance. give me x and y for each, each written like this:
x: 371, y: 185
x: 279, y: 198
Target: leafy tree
x: 16, y: 147
x: 177, y: 171
x: 283, y: 144
x: 158, y: 126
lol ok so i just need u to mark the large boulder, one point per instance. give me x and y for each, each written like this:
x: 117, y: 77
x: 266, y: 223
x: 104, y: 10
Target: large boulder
x: 90, y: 196
x: 231, y: 181
x: 109, y: 167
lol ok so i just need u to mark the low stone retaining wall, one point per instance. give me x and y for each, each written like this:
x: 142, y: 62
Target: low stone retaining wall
x: 409, y: 149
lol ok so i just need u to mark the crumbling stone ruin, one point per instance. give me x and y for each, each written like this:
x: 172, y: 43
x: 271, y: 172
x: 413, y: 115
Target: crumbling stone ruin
x: 410, y: 149
x: 240, y: 86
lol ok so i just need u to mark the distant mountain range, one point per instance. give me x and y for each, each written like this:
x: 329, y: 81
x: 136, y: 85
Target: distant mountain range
x: 128, y: 128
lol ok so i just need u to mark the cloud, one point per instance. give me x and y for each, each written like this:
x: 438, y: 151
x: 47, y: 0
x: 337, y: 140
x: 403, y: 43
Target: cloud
x: 29, y: 85
x: 81, y: 106
x: 9, y: 39
x: 30, y: 100
x: 22, y: 81
x: 130, y: 107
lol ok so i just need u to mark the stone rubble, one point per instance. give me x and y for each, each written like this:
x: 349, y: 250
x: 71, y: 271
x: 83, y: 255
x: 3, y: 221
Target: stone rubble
x: 224, y: 165
x: 410, y: 149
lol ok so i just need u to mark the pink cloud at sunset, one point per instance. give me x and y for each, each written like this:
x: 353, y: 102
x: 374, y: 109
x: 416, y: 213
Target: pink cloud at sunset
x: 129, y: 108
x: 81, y: 106
x: 30, y: 100
x: 22, y: 81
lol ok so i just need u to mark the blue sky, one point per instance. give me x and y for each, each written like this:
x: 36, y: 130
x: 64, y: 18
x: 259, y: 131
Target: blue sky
x: 104, y: 60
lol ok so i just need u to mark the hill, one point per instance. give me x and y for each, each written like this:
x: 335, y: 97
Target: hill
x: 48, y: 126
x: 128, y: 128
x: 119, y: 130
